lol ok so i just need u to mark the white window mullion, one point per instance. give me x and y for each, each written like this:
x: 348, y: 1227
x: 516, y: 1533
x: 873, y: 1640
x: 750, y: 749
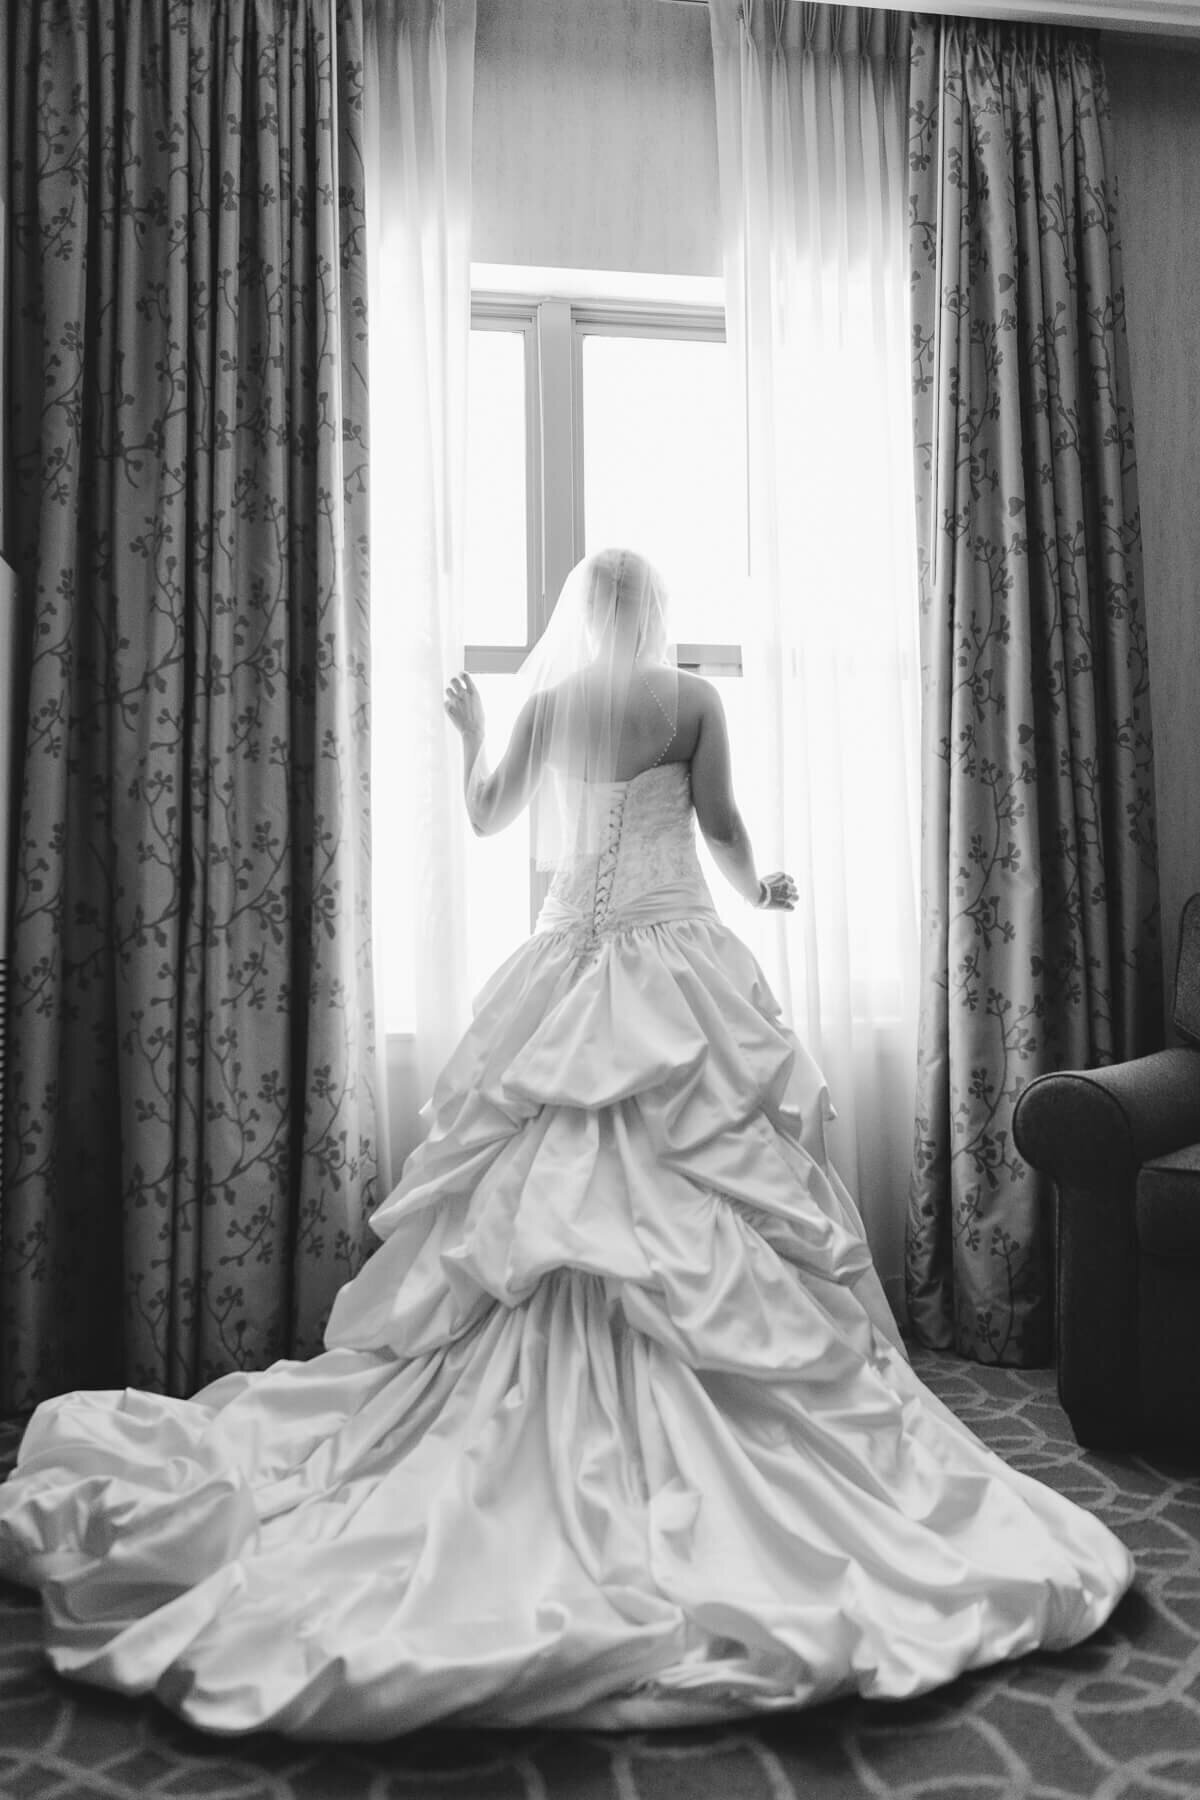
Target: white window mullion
x: 559, y: 451
x: 534, y: 486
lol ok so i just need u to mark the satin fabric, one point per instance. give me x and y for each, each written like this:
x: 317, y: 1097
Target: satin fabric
x: 615, y: 1427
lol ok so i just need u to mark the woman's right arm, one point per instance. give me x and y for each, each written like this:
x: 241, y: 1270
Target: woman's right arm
x: 493, y: 801
x: 720, y: 822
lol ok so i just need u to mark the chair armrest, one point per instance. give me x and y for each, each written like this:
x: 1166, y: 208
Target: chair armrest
x: 1097, y: 1126
x: 1091, y: 1131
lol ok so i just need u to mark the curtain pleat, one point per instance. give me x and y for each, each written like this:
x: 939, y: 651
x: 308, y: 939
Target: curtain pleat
x: 1040, y: 900
x: 191, y: 1101
x: 812, y: 122
x: 420, y: 89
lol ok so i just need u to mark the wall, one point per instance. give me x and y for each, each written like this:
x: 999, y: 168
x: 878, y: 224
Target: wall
x: 595, y: 139
x: 1155, y: 91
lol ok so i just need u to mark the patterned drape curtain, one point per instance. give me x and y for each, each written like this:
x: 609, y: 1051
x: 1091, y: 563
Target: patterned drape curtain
x: 1040, y: 908
x: 191, y: 1107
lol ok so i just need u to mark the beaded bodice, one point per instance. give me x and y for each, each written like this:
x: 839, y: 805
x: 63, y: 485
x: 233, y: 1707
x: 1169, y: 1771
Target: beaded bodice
x: 644, y: 864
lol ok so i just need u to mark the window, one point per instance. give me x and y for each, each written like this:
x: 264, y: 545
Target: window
x: 590, y: 425
x: 590, y: 422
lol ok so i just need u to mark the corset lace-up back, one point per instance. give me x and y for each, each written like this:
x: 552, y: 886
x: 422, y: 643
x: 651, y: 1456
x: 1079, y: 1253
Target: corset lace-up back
x: 645, y: 868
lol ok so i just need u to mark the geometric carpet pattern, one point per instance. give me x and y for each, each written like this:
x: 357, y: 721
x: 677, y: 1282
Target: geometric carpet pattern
x: 1116, y: 1719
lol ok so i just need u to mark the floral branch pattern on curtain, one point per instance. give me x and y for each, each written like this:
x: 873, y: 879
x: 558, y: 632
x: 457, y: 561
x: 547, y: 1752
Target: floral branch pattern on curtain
x: 1039, y: 862
x: 191, y: 1110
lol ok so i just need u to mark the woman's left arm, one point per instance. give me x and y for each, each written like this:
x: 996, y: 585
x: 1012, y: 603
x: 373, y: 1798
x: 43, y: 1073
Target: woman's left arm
x: 494, y: 801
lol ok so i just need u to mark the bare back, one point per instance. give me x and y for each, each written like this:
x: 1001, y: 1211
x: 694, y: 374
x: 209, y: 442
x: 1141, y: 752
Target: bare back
x: 647, y: 738
x: 700, y: 739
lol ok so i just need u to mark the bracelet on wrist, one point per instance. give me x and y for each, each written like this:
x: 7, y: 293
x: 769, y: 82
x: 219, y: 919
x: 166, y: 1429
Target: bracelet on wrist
x: 764, y: 895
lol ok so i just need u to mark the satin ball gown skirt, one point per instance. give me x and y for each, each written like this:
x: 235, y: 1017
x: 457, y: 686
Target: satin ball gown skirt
x: 613, y: 1429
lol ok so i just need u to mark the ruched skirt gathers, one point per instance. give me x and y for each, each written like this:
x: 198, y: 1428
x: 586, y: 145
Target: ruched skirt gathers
x: 613, y: 1429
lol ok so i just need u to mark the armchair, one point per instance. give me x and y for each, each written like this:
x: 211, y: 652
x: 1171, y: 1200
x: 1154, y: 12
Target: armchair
x: 1122, y: 1145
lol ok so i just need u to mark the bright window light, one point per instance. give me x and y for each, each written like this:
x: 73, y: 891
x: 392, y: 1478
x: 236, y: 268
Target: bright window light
x: 661, y: 474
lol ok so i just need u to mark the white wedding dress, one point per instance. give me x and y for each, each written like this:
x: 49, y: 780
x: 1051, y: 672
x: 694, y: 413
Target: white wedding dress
x: 614, y: 1428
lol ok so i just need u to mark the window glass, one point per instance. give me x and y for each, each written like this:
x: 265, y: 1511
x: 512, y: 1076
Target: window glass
x: 661, y: 471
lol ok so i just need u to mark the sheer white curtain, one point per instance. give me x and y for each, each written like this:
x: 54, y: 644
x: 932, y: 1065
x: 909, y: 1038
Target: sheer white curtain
x: 419, y: 71
x: 812, y: 137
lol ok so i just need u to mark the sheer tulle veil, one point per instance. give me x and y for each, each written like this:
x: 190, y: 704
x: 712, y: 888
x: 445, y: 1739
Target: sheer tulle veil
x: 601, y: 680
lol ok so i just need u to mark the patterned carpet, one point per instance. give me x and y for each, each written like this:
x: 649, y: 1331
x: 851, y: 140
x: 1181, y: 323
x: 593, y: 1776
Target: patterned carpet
x: 1117, y: 1719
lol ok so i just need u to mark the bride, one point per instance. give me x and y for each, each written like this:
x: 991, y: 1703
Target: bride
x: 615, y: 1427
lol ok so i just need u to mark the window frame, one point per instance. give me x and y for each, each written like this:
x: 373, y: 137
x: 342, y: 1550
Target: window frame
x: 512, y: 314
x: 554, y: 328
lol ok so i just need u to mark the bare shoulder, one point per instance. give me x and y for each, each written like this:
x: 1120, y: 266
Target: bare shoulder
x: 549, y: 697
x: 697, y: 695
